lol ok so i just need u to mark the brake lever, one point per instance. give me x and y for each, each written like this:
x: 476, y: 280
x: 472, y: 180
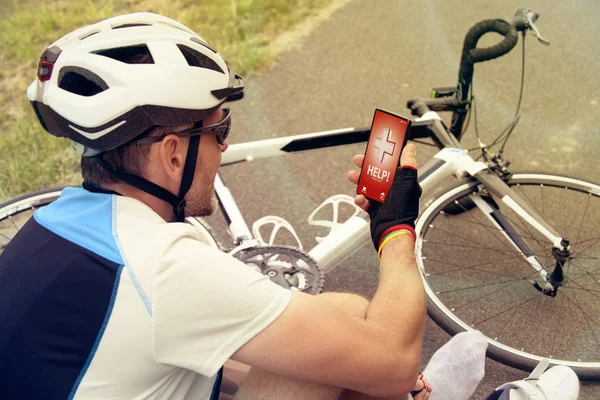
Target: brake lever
x: 531, y: 18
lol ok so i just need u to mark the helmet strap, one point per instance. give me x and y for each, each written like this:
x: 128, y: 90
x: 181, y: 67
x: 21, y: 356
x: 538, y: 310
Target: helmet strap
x: 187, y: 178
x: 177, y: 202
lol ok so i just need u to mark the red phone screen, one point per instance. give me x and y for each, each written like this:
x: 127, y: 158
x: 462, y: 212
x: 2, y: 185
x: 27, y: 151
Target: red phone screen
x: 389, y: 133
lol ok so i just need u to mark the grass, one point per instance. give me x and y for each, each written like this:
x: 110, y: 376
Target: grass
x: 30, y: 159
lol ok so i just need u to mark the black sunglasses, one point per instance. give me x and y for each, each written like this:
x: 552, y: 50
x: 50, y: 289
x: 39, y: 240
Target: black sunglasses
x: 220, y: 129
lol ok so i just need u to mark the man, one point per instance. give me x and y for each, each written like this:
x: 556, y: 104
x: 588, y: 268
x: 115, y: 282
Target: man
x: 106, y: 294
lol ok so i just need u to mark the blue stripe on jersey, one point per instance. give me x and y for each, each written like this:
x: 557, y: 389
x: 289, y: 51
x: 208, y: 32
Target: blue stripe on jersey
x: 84, y: 218
x: 99, y: 337
x: 88, y: 219
x: 55, y: 299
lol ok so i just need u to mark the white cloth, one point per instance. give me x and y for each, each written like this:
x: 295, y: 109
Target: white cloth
x: 181, y: 310
x: 456, y: 369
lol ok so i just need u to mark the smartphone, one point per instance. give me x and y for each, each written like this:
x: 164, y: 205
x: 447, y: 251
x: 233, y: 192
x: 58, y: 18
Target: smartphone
x: 389, y: 134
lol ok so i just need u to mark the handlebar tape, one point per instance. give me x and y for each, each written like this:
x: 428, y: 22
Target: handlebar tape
x: 472, y: 55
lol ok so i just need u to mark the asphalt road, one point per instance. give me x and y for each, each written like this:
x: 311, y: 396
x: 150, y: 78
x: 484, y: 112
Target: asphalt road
x: 380, y: 53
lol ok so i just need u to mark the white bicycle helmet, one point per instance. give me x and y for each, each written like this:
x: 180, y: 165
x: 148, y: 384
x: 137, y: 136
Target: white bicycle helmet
x: 88, y: 89
x: 106, y: 84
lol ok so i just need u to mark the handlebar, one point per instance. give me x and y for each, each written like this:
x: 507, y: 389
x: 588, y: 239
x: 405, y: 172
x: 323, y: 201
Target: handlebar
x: 458, y: 100
x: 471, y: 54
x: 523, y: 21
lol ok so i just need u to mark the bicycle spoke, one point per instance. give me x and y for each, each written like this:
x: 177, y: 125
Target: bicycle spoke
x: 594, y: 226
x: 512, y: 315
x: 13, y: 222
x: 537, y: 307
x: 586, y: 257
x: 453, y: 234
x: 583, y: 217
x: 472, y: 247
x: 556, y: 329
x: 505, y: 311
x: 528, y: 199
x: 503, y: 241
x: 587, y: 273
x: 512, y: 281
x: 519, y: 256
x: 585, y: 241
x: 475, y: 222
x: 590, y: 291
x: 595, y: 241
x: 492, y: 229
x: 523, y: 226
x: 586, y: 318
x: 542, y: 196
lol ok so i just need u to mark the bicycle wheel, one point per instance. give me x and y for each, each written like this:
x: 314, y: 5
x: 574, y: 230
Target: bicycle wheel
x: 16, y: 212
x: 476, y: 280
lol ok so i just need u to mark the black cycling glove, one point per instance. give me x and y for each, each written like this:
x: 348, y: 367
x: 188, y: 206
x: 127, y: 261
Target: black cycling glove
x: 400, y: 208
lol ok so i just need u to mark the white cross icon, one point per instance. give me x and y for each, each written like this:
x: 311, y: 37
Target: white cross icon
x: 384, y: 147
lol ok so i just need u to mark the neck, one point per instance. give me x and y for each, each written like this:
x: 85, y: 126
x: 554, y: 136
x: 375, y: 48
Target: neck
x: 161, y: 207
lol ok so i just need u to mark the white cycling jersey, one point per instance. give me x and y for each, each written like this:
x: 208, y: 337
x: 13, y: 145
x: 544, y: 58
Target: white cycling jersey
x: 116, y: 303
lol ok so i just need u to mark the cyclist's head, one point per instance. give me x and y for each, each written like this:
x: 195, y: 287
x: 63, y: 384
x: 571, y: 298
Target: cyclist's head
x: 107, y: 85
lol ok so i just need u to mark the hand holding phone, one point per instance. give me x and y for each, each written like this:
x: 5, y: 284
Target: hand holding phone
x: 400, y: 209
x: 389, y: 134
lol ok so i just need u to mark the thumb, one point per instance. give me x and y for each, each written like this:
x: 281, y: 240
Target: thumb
x: 409, y: 156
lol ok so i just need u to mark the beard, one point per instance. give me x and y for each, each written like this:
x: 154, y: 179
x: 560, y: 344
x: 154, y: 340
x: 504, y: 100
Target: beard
x: 201, y: 198
x: 197, y: 208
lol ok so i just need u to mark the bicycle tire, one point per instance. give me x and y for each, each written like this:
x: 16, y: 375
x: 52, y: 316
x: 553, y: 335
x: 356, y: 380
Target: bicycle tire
x: 454, y: 318
x: 26, y: 204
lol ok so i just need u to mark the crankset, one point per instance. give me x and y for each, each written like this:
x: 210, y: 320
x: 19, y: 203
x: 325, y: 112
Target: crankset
x: 288, y: 267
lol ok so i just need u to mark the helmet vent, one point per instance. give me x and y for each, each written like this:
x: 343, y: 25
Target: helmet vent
x: 80, y: 81
x: 138, y: 54
x: 200, y: 42
x: 196, y: 59
x: 87, y: 35
x: 131, y: 25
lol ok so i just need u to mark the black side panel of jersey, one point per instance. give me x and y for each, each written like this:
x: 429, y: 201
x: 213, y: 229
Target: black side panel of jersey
x: 55, y: 298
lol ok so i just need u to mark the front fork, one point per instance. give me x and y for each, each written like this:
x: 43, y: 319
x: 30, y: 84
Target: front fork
x: 452, y: 161
x: 562, y: 254
x: 561, y: 249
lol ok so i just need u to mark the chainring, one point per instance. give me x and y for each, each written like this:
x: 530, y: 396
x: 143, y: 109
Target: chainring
x: 286, y: 266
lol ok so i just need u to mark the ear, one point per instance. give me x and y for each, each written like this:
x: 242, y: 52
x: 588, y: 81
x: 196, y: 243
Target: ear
x: 172, y: 153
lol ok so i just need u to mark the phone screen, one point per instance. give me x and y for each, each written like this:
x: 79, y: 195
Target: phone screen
x: 389, y: 133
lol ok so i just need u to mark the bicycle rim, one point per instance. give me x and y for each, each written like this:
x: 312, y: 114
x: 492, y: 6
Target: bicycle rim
x: 476, y: 280
x: 16, y: 212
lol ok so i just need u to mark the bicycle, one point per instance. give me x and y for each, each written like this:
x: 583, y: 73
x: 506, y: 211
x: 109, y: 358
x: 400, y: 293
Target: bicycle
x: 528, y: 250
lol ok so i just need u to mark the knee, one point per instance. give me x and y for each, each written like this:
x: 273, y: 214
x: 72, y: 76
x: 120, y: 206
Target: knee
x: 350, y: 303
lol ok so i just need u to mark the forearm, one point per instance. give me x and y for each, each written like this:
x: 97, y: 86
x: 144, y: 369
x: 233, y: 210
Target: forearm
x: 399, y: 305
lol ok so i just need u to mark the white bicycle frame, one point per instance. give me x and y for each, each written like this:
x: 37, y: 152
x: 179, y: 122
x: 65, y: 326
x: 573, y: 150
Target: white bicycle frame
x: 344, y: 239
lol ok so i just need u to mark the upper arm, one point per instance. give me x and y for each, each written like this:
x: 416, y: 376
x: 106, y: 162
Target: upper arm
x: 316, y: 341
x: 206, y: 304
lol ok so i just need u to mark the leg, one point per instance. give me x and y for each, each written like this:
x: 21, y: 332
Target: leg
x: 260, y: 385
